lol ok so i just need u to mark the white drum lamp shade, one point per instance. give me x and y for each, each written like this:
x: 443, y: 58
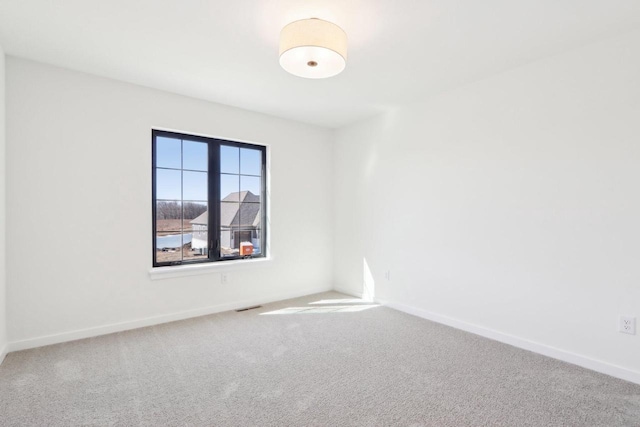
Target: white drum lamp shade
x: 313, y: 48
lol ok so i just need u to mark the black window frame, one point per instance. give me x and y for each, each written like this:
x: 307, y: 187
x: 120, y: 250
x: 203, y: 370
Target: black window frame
x: 214, y: 197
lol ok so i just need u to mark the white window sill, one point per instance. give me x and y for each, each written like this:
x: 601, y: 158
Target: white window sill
x: 173, y: 271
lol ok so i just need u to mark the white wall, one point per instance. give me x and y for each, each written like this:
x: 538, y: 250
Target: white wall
x: 79, y: 204
x: 3, y: 305
x: 509, y: 205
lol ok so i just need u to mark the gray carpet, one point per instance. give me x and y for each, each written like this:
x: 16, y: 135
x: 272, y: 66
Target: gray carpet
x: 328, y: 366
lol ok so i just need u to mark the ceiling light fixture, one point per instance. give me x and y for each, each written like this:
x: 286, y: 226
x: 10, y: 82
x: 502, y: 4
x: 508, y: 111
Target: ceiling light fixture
x: 313, y: 48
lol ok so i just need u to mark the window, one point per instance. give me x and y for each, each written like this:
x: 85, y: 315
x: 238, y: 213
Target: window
x: 208, y: 199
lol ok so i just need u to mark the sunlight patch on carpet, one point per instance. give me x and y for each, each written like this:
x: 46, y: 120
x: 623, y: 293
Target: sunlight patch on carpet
x: 340, y: 301
x: 322, y: 310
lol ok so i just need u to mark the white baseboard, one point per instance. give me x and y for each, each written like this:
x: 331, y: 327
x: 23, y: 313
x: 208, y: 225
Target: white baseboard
x: 3, y: 353
x: 536, y: 347
x: 155, y: 320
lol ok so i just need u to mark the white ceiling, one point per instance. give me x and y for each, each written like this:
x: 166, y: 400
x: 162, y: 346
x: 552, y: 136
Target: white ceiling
x: 227, y: 51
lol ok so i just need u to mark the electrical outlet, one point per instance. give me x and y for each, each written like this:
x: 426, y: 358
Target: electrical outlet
x: 628, y: 325
x: 387, y: 274
x: 224, y: 278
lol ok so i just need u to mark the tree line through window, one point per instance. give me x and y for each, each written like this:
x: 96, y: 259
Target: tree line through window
x: 208, y: 199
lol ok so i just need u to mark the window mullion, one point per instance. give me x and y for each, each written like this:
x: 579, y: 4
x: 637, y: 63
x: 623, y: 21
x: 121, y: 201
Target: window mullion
x: 263, y: 203
x: 182, y: 201
x: 213, y: 180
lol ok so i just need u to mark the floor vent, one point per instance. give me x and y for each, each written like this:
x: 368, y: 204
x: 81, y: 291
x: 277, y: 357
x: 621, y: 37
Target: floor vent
x: 248, y: 308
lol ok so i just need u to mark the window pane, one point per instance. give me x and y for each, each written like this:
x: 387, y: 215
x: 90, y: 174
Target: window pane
x: 229, y: 214
x: 195, y: 225
x: 168, y: 231
x: 168, y: 184
x: 229, y: 188
x: 169, y: 247
x: 249, y: 215
x: 194, y: 186
x: 171, y: 242
x: 252, y: 184
x: 250, y: 161
x: 195, y: 155
x: 229, y: 159
x: 229, y: 217
x: 245, y: 242
x: 168, y: 216
x: 168, y: 152
x: 257, y: 241
x: 194, y: 213
x: 198, y: 249
x: 226, y: 243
